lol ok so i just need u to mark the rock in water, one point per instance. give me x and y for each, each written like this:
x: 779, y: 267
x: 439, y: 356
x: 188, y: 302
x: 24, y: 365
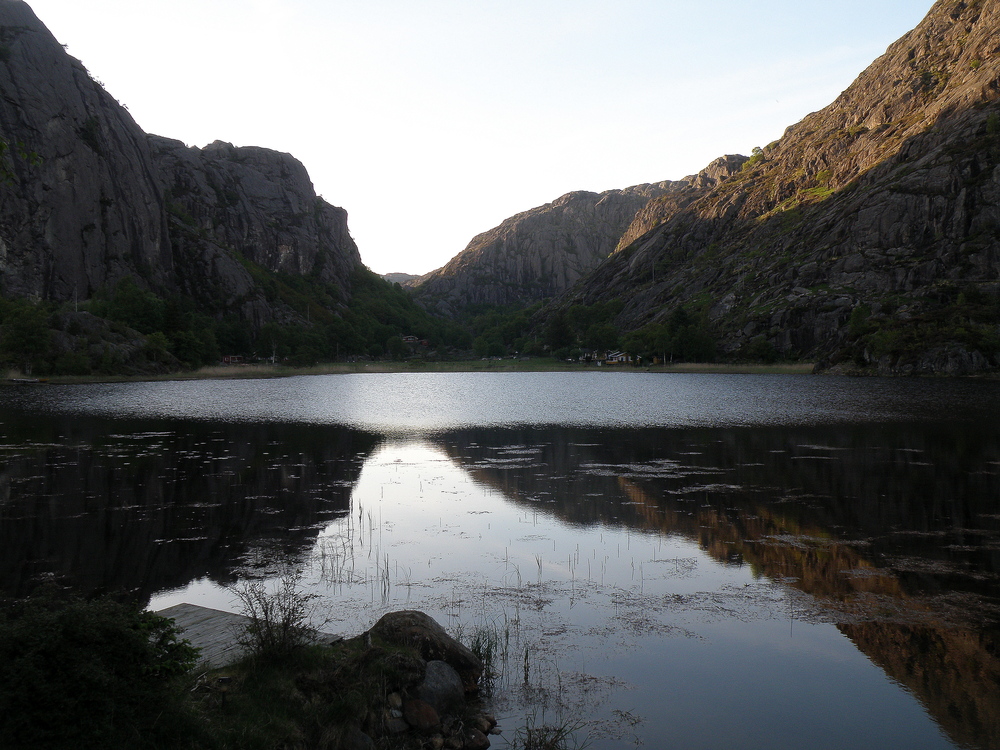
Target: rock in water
x: 421, y: 632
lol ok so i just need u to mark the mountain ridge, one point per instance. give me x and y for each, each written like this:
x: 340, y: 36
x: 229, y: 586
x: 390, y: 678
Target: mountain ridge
x: 885, y: 202
x: 538, y: 253
x: 99, y: 200
x: 123, y: 252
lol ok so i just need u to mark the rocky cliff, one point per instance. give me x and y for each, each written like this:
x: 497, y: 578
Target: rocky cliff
x: 868, y: 232
x: 538, y: 253
x: 88, y: 198
x: 235, y: 209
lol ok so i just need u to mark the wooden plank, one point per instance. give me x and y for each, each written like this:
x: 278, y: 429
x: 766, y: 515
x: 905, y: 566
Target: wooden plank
x: 213, y: 631
x: 216, y: 632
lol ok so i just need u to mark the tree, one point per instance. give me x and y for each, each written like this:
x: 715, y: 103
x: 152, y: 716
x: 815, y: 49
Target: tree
x: 683, y: 338
x: 396, y: 347
x: 601, y: 337
x: 558, y: 334
x: 26, y: 337
x: 759, y: 349
x: 157, y: 347
x: 135, y: 307
x: 481, y: 346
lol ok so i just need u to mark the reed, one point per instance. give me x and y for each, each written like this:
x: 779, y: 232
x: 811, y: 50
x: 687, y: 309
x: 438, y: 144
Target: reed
x: 563, y: 735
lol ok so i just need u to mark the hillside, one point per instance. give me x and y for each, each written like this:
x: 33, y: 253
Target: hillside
x: 538, y: 253
x: 867, y: 235
x: 403, y: 279
x: 218, y: 249
x: 91, y: 198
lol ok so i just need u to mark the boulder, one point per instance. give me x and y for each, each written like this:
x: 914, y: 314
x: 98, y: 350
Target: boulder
x: 476, y: 740
x: 422, y: 633
x: 355, y: 739
x: 421, y: 715
x: 442, y: 687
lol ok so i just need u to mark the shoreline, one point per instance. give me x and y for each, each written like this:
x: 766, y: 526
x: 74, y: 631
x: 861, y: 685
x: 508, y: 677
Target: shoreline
x: 250, y: 372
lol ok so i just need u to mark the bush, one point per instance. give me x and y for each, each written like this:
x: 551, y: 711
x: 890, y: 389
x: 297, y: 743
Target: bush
x: 278, y: 617
x: 87, y: 674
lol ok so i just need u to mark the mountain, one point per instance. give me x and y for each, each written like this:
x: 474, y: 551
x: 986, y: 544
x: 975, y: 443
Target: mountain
x: 123, y: 252
x: 89, y: 199
x: 403, y: 279
x: 538, y: 253
x: 866, y: 236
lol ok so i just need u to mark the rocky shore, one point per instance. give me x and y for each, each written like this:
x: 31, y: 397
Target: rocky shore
x: 421, y: 688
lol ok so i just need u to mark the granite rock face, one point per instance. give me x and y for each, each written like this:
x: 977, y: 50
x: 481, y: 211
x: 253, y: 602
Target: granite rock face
x: 230, y: 205
x: 539, y: 253
x: 885, y: 200
x: 81, y: 206
x: 684, y: 193
x: 88, y: 198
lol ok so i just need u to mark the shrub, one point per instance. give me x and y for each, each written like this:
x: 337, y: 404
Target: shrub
x: 87, y: 674
x: 278, y: 617
x: 550, y: 736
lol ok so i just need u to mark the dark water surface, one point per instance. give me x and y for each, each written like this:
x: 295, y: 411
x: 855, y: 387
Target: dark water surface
x: 688, y: 561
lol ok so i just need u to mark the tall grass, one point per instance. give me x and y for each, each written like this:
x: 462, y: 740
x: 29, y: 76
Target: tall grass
x: 564, y: 735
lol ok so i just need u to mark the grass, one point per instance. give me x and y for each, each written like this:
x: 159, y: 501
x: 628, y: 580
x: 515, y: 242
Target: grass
x: 505, y: 365
x: 786, y: 368
x: 492, y: 646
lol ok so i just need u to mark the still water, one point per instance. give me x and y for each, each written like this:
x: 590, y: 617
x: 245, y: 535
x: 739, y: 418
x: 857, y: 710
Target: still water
x: 685, y: 561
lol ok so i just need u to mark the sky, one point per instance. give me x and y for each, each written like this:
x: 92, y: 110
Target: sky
x: 431, y: 121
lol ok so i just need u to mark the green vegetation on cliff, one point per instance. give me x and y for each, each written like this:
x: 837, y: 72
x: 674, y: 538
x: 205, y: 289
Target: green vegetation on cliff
x: 131, y: 330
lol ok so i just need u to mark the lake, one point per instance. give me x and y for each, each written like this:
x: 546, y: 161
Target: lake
x: 675, y: 560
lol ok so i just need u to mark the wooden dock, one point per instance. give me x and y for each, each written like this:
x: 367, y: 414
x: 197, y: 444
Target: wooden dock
x: 216, y: 632
x: 213, y: 631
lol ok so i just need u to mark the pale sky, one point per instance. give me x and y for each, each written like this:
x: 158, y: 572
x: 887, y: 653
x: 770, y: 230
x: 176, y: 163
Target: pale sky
x: 431, y: 121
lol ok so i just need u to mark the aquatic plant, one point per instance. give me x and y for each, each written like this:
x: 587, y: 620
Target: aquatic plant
x: 563, y: 735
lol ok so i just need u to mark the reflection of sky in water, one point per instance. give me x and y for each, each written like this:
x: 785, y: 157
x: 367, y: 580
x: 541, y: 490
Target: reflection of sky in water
x: 764, y: 685
x: 417, y: 402
x: 614, y: 619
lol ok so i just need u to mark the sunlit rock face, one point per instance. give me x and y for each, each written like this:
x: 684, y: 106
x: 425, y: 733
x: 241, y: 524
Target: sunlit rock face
x: 888, y: 200
x: 538, y: 253
x: 88, y: 198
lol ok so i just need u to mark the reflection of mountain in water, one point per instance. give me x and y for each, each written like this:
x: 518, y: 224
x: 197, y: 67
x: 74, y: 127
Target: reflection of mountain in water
x: 892, y: 509
x: 893, y: 529
x: 143, y: 506
x: 954, y: 671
